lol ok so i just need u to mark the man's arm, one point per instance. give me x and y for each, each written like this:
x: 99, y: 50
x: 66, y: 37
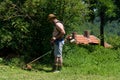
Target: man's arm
x: 60, y: 28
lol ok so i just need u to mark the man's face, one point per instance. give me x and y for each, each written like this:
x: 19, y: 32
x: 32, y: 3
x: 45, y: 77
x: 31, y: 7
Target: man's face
x: 51, y: 20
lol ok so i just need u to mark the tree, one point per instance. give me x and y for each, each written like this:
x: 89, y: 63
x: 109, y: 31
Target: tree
x: 105, y: 10
x: 24, y: 24
x: 117, y: 10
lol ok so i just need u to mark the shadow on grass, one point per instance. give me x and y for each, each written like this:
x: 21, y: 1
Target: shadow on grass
x: 45, y: 70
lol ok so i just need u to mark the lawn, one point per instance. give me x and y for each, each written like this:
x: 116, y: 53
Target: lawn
x: 68, y: 73
x: 80, y: 63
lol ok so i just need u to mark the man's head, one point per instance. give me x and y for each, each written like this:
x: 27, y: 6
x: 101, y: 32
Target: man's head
x: 51, y: 17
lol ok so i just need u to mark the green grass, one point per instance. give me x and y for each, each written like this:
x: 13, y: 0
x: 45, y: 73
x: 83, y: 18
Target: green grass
x: 8, y: 73
x: 80, y: 63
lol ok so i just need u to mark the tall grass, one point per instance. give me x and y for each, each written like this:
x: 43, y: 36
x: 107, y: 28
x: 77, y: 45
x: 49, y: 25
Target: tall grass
x: 89, y: 59
x: 82, y: 59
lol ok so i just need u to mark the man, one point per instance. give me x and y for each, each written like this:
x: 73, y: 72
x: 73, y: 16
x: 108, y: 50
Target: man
x: 58, y: 41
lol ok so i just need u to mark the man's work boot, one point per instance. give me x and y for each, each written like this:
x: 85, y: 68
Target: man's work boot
x: 54, y: 68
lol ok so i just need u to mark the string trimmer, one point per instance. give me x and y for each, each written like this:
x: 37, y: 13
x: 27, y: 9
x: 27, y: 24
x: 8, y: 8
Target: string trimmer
x: 28, y: 65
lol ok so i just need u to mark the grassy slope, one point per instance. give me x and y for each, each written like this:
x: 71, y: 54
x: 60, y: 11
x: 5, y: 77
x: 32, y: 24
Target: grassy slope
x: 80, y: 63
x: 8, y: 73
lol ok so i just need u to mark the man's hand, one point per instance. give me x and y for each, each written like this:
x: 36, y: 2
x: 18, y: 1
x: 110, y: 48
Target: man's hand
x: 52, y: 40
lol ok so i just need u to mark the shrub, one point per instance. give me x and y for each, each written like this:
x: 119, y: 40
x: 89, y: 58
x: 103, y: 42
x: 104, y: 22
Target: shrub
x: 89, y: 59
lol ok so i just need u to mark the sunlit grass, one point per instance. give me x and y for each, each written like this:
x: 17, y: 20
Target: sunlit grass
x: 68, y: 73
x: 80, y: 63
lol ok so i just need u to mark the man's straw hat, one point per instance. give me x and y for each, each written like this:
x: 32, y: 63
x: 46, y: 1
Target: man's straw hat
x: 51, y: 16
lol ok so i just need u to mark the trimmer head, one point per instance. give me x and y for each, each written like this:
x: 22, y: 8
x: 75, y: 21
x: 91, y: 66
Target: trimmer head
x: 27, y: 67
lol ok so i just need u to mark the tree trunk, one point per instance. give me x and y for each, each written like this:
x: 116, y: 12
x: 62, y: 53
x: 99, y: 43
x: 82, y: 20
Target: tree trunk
x: 102, y: 18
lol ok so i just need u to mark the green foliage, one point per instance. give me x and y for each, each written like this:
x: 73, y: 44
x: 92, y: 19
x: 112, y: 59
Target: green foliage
x: 114, y: 41
x: 117, y: 10
x: 108, y: 7
x: 81, y: 59
x: 14, y: 62
x: 72, y: 55
x: 24, y: 26
x: 5, y: 36
x: 92, y: 59
x: 105, y: 10
x: 112, y: 28
x: 1, y: 60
